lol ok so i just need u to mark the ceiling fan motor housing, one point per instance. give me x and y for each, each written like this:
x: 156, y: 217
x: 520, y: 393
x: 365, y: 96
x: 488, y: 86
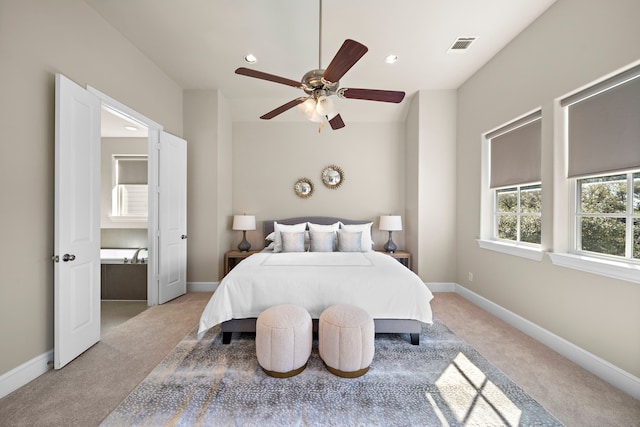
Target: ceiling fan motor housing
x: 313, y: 84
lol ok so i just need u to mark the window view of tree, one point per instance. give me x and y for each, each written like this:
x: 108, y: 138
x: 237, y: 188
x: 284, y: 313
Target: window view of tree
x: 518, y: 214
x: 607, y: 219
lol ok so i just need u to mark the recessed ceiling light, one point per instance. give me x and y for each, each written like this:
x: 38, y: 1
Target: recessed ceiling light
x: 390, y: 59
x: 131, y: 128
x: 251, y: 59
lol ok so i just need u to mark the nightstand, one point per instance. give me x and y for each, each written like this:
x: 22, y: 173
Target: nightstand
x: 403, y: 257
x: 232, y: 258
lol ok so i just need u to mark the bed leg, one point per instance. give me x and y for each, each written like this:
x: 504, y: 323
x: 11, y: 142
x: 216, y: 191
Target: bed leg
x: 415, y: 339
x: 226, y: 337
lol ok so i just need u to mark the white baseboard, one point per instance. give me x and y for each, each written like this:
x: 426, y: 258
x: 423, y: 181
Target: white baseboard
x: 441, y: 286
x: 25, y: 373
x: 202, y: 286
x: 610, y: 373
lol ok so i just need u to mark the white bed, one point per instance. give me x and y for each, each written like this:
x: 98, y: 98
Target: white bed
x: 393, y: 295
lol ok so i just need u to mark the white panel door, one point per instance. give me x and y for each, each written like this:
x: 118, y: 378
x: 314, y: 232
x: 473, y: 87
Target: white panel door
x: 172, y: 217
x: 77, y: 221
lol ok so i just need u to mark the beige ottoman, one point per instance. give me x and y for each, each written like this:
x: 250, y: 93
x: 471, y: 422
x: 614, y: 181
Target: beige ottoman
x: 346, y: 334
x: 283, y: 340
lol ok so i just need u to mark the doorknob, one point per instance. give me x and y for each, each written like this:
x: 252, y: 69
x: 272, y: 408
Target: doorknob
x: 67, y: 257
x: 184, y: 236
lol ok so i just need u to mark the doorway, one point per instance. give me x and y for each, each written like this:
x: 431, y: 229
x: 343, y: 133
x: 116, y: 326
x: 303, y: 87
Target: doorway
x: 124, y: 209
x: 77, y: 216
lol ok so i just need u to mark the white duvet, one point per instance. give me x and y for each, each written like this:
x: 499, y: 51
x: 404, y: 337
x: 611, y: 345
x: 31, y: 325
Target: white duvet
x: 373, y: 281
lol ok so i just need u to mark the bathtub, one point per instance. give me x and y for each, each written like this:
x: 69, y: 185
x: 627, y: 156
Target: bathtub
x: 121, y: 280
x: 122, y: 256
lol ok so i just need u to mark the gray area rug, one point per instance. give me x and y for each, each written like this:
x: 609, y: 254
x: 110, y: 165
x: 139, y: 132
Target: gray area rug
x: 443, y: 381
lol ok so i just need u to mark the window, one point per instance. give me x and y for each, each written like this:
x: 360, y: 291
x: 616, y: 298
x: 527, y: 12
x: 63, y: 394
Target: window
x: 608, y: 215
x: 130, y: 189
x: 511, y: 188
x: 597, y: 169
x: 518, y: 214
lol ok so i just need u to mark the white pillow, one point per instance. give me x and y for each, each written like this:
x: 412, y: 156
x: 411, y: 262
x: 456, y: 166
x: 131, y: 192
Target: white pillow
x: 349, y: 241
x: 330, y: 227
x: 322, y: 241
x: 320, y: 227
x: 292, y: 242
x: 367, y: 243
x: 278, y: 228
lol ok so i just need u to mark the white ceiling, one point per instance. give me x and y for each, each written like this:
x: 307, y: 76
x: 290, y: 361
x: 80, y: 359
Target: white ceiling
x: 199, y: 44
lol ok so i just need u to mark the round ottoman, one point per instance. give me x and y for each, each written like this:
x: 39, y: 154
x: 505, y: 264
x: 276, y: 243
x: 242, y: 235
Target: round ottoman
x: 346, y: 334
x: 283, y: 340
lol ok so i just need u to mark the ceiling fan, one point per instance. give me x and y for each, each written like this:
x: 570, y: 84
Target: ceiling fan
x: 320, y: 84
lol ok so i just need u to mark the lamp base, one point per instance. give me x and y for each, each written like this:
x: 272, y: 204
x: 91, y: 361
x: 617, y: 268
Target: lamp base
x: 244, y: 246
x: 390, y: 246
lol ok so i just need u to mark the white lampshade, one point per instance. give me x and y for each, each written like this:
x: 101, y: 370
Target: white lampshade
x: 390, y: 223
x: 244, y: 222
x: 325, y: 106
x: 308, y: 107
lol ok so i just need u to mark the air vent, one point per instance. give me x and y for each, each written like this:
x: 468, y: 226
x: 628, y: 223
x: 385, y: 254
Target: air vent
x: 461, y: 44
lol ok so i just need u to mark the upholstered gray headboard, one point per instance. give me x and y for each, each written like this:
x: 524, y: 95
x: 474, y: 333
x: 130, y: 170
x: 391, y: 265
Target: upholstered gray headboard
x: 267, y: 225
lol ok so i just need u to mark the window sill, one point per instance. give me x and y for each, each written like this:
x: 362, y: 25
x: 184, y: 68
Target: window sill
x: 512, y: 249
x: 128, y: 218
x: 614, y: 269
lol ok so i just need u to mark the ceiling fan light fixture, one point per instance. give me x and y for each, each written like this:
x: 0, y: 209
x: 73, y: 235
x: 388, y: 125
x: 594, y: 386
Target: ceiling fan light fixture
x: 250, y: 58
x: 315, y: 116
x: 325, y: 106
x: 391, y: 59
x: 307, y: 108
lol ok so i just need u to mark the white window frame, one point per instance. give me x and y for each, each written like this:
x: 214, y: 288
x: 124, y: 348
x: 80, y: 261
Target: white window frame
x: 564, y: 205
x: 487, y: 239
x: 628, y: 215
x: 518, y: 214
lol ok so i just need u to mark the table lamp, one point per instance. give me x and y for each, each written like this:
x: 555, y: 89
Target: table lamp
x: 390, y: 223
x: 244, y: 223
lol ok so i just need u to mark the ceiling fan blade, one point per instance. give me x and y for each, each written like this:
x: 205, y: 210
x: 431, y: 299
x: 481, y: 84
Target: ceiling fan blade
x: 372, y: 95
x: 281, y: 109
x: 350, y: 52
x: 336, y: 123
x: 266, y: 76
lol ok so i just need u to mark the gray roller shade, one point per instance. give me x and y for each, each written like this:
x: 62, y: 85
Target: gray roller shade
x: 132, y: 170
x: 604, y: 127
x: 515, y: 152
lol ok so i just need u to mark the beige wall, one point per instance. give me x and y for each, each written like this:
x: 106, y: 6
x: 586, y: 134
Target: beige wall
x: 431, y: 183
x: 37, y: 40
x: 207, y: 125
x: 572, y: 44
x: 269, y: 157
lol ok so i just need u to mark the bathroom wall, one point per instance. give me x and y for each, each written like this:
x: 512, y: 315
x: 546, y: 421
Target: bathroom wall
x: 123, y: 238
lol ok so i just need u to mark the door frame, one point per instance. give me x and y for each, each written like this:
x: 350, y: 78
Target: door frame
x: 155, y: 129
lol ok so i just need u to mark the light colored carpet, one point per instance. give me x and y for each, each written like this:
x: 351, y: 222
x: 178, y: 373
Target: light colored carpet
x: 89, y: 388
x: 442, y: 381
x: 114, y: 313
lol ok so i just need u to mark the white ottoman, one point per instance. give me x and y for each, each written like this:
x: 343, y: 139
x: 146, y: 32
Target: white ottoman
x: 346, y: 335
x: 283, y: 340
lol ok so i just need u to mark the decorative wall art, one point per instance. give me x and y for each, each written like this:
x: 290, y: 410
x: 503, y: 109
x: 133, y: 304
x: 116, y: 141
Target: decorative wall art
x: 332, y: 176
x: 303, y: 188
